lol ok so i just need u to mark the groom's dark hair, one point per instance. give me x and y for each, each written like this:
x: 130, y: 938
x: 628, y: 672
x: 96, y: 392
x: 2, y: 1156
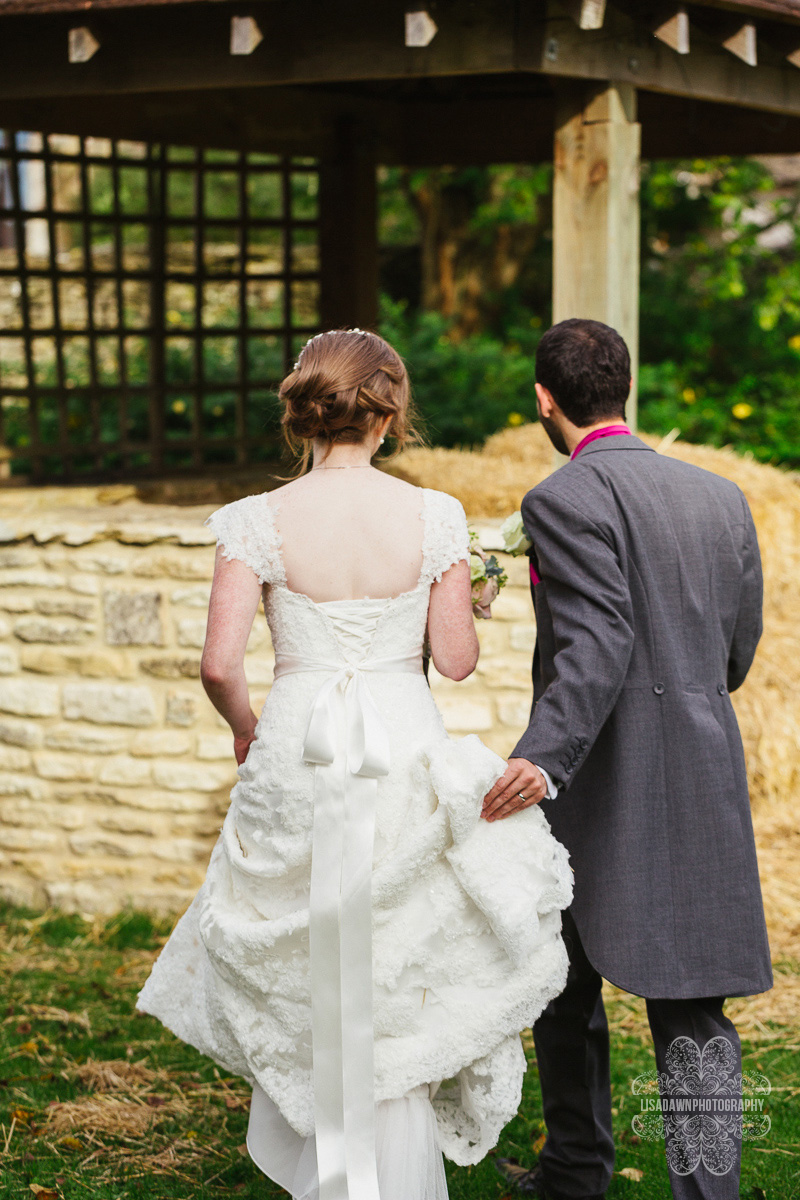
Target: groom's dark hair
x: 586, y: 367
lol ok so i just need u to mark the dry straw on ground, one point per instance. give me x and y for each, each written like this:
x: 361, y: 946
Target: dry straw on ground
x: 491, y: 483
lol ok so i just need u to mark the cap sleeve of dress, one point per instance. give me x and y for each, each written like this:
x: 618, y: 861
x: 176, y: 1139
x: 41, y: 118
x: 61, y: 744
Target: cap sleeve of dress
x: 446, y: 535
x: 245, y: 530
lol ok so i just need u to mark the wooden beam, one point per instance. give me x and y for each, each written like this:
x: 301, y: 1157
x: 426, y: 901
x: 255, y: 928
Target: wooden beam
x: 469, y: 127
x: 673, y: 31
x: 348, y: 230
x: 185, y: 48
x: 621, y: 51
x: 596, y: 211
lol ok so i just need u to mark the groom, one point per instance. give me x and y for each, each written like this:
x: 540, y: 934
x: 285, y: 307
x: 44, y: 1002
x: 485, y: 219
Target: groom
x: 646, y: 581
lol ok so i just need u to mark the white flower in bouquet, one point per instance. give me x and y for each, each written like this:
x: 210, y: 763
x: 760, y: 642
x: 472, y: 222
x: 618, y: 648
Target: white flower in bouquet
x: 515, y: 539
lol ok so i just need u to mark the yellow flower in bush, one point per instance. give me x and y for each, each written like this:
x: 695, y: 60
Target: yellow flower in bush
x: 689, y: 395
x: 742, y: 410
x: 794, y: 341
x: 515, y: 418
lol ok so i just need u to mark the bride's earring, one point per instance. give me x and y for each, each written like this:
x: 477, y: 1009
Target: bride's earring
x: 380, y: 443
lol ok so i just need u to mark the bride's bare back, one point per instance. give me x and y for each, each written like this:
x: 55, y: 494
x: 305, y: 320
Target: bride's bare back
x: 349, y: 532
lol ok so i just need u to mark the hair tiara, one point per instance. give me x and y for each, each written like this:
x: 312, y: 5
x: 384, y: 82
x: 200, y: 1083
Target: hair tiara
x: 325, y: 332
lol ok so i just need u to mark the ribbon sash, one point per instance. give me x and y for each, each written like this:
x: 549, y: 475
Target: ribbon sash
x: 347, y: 741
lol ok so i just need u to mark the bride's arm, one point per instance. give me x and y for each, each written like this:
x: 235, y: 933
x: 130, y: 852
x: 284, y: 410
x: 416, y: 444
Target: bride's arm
x: 451, y: 625
x: 235, y: 596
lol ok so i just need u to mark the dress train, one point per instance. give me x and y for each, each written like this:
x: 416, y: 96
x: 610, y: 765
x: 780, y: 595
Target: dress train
x: 409, y: 1156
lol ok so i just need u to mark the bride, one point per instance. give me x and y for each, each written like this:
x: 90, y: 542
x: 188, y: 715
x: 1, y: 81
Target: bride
x: 365, y: 949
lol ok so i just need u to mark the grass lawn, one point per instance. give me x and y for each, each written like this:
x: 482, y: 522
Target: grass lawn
x: 97, y: 1100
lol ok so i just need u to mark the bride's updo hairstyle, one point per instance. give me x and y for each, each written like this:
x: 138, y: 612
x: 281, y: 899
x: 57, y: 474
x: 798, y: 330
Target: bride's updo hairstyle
x: 344, y: 383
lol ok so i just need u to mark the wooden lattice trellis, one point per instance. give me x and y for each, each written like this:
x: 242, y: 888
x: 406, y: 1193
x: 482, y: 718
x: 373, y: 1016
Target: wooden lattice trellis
x: 151, y: 297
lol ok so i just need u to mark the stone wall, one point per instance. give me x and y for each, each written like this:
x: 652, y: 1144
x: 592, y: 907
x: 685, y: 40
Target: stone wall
x: 115, y: 768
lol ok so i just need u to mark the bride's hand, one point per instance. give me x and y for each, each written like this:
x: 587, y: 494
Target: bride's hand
x: 521, y: 785
x: 243, y: 741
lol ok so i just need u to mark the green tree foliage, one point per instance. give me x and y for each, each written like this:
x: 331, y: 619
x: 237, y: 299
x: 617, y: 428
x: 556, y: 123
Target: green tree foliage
x: 720, y: 298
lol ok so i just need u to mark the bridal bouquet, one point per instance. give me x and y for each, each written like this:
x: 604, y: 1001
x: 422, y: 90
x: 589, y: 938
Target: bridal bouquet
x: 487, y: 577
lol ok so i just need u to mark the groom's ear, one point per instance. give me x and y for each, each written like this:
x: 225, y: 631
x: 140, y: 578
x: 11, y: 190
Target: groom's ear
x: 545, y: 399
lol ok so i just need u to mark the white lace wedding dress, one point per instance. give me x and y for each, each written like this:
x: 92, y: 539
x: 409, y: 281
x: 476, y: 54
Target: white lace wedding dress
x: 456, y: 926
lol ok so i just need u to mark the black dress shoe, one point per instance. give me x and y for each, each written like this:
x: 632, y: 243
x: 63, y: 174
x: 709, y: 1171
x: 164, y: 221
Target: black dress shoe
x: 531, y: 1182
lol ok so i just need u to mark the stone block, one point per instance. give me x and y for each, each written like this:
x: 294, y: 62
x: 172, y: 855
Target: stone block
x: 260, y: 671
x: 465, y: 716
x: 514, y: 712
x: 45, y: 660
x: 17, y: 602
x: 163, y: 802
x: 64, y: 606
x: 95, y: 845
x: 17, y: 556
x: 160, y: 741
x: 513, y: 604
x: 32, y: 577
x: 172, y: 666
x: 21, y: 733
x: 506, y: 672
x: 124, y: 820
x: 191, y: 597
x: 14, y: 758
x: 84, y: 585
x: 133, y: 618
x: 39, y: 814
x: 191, y: 632
x: 85, y: 739
x: 91, y: 797
x: 181, y: 708
x: 122, y: 770
x: 91, y: 663
x: 214, y: 745
x: 100, y: 563
x: 29, y: 698
x: 108, y: 704
x: 174, y: 564
x: 492, y: 636
x: 52, y: 630
x: 194, y: 777
x: 9, y: 660
x: 522, y: 637
x: 23, y: 838
x: 62, y: 767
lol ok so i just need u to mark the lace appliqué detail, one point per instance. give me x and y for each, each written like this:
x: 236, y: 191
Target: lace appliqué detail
x: 246, y: 531
x: 446, y: 537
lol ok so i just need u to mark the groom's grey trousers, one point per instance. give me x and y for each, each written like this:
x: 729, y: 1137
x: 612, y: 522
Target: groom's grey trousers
x: 572, y: 1052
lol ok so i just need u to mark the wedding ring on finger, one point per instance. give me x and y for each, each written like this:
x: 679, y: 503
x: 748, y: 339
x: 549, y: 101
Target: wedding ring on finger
x: 521, y: 797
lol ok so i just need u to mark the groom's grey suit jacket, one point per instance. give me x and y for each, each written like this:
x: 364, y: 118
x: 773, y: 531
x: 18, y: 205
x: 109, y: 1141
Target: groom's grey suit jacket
x: 648, y: 614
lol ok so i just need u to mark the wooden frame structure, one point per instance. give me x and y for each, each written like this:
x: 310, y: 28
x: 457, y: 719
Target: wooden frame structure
x: 591, y: 84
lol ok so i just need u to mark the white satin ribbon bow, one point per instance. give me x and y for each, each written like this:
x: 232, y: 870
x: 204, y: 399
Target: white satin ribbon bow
x: 347, y: 741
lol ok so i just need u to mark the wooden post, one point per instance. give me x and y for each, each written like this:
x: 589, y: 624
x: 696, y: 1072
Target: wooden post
x: 596, y: 211
x: 348, y: 231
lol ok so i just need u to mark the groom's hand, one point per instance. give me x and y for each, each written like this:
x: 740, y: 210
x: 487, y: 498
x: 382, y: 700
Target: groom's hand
x: 520, y: 779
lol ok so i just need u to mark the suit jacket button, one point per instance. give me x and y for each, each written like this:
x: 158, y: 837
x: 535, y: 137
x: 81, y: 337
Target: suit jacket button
x: 721, y: 689
x: 659, y: 689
